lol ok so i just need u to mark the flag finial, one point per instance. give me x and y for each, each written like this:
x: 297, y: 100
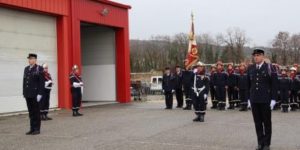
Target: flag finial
x: 192, y: 15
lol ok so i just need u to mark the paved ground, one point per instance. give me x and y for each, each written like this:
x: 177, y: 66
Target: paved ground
x: 146, y: 126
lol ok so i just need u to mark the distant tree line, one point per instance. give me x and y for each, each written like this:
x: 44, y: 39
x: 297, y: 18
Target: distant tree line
x: 161, y: 51
x: 286, y: 48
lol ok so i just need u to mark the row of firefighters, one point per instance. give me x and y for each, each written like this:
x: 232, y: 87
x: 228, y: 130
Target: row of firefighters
x: 196, y: 84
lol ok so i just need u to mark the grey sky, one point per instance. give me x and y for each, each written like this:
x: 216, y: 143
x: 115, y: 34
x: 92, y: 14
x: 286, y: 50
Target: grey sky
x: 261, y: 19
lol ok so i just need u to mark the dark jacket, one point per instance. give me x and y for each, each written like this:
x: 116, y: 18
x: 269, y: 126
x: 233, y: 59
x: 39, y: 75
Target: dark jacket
x: 242, y: 82
x: 285, y: 83
x: 232, y: 80
x: 178, y: 80
x: 187, y: 76
x: 168, y: 83
x: 262, y: 83
x: 75, y: 78
x: 200, y: 81
x: 295, y: 85
x: 33, y: 81
x: 220, y: 79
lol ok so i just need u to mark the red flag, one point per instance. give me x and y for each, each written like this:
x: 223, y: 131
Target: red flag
x: 192, y: 55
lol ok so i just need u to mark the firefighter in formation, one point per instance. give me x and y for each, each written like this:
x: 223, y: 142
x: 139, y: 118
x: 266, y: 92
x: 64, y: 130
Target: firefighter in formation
x: 200, y: 88
x: 76, y: 90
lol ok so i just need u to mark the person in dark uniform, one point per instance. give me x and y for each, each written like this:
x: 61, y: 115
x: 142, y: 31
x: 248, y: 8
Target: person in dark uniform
x: 168, y: 88
x: 295, y: 88
x: 232, y: 85
x: 76, y: 90
x: 262, y: 84
x: 45, y: 102
x: 236, y: 90
x: 284, y: 83
x: 278, y: 99
x: 220, y: 84
x: 178, y: 86
x: 200, y: 88
x: 212, y: 90
x: 296, y: 66
x: 242, y: 84
x: 187, y: 87
x: 33, y: 85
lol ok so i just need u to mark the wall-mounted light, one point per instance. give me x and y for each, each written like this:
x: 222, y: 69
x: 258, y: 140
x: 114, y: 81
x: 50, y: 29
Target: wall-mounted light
x: 105, y: 12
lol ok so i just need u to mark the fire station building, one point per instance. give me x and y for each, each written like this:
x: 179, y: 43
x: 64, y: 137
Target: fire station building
x: 93, y: 34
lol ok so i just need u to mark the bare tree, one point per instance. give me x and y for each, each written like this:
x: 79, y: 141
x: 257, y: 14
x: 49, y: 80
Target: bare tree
x: 294, y: 43
x: 235, y: 40
x: 281, y: 47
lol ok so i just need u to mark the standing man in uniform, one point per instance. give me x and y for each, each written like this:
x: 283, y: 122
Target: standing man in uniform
x: 232, y: 85
x: 168, y: 88
x: 220, y: 84
x: 212, y: 89
x: 76, y: 90
x: 200, y: 84
x: 262, y: 81
x: 45, y: 102
x: 33, y: 85
x: 178, y: 86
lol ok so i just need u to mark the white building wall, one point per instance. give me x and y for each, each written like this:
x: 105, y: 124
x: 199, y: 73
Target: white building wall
x: 22, y: 33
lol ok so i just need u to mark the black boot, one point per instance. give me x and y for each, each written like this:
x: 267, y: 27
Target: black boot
x: 293, y: 108
x: 243, y: 108
x: 286, y: 109
x: 188, y: 106
x: 43, y: 116
x: 46, y: 117
x: 231, y: 106
x: 214, y: 105
x: 74, y: 113
x: 201, y: 119
x: 197, y: 119
x: 222, y: 106
x: 29, y: 132
x: 36, y: 132
x: 237, y: 104
x: 78, y: 114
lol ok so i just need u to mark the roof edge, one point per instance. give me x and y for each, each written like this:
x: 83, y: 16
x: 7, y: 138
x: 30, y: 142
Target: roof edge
x: 109, y: 2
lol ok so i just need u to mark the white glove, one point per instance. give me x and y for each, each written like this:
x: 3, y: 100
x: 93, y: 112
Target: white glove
x: 195, y: 70
x: 81, y: 83
x: 76, y: 84
x: 163, y: 91
x: 249, y: 104
x: 205, y: 96
x: 47, y: 83
x: 173, y: 91
x: 272, y: 105
x: 39, y: 97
